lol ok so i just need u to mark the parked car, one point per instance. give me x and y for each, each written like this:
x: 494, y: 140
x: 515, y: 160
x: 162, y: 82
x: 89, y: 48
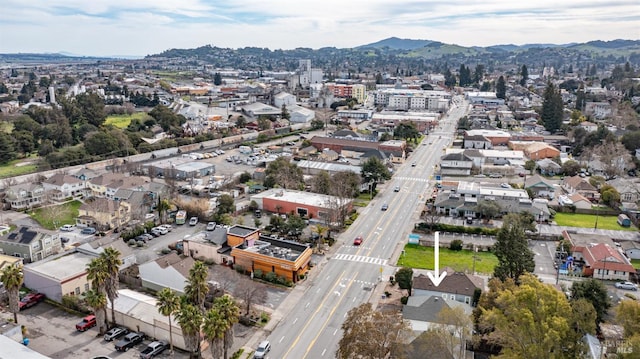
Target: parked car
x: 88, y: 230
x: 30, y: 300
x: 155, y: 232
x: 211, y: 226
x: 129, y: 341
x: 87, y: 322
x: 168, y: 227
x: 193, y: 221
x: 115, y: 333
x: 357, y: 241
x: 161, y: 229
x: 153, y: 349
x: 626, y: 285
x: 67, y: 228
x: 262, y: 350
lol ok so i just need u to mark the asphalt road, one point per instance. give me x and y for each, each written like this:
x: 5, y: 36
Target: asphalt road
x: 311, y: 329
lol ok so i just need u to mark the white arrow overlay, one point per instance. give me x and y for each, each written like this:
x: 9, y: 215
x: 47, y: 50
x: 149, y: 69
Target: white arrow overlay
x: 436, y: 277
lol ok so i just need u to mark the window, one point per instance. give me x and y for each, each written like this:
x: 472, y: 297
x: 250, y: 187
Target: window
x: 35, y: 246
x: 86, y: 287
x: 47, y: 241
x: 467, y: 300
x: 77, y: 292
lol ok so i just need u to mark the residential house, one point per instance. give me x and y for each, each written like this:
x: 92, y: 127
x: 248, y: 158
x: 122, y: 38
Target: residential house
x: 456, y: 286
x: 631, y: 249
x: 85, y: 174
x: 328, y: 155
x: 422, y: 312
x: 539, y: 187
x: 104, y: 213
x: 169, y: 271
x: 30, y: 244
x: 589, y: 126
x: 548, y: 167
x: 62, y: 275
x: 477, y: 142
x: 540, y: 150
x: 6, y: 261
x: 580, y: 201
x: 61, y: 186
x: 495, y: 137
x: 253, y: 251
x: 456, y: 164
x: 25, y: 196
x: 629, y: 190
x: 597, y: 257
x: 577, y: 184
x: 209, y: 246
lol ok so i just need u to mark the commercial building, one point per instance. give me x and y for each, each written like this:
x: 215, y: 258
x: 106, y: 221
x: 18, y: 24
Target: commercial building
x: 305, y: 204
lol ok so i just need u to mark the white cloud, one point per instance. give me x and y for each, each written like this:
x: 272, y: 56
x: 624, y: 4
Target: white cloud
x: 139, y: 27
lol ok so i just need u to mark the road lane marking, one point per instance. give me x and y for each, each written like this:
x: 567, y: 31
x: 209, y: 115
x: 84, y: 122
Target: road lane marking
x: 281, y: 339
x: 312, y: 317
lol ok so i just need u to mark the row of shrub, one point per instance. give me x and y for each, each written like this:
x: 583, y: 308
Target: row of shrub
x: 271, y: 277
x: 133, y: 232
x: 442, y: 227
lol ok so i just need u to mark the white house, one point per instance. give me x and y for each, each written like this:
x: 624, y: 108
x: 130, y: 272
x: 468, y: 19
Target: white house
x: 61, y: 186
x: 170, y: 271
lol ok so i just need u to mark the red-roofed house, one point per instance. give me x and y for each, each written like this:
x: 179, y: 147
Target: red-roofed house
x: 601, y: 261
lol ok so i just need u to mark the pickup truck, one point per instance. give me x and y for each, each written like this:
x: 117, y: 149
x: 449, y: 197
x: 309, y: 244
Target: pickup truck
x: 87, y: 322
x: 129, y: 341
x: 30, y: 300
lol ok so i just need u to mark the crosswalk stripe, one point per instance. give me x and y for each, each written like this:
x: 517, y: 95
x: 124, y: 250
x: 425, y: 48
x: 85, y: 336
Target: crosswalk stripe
x: 363, y: 259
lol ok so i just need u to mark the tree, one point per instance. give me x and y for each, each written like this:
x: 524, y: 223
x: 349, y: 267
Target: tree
x: 404, y: 277
x: 98, y: 302
x: 449, y: 79
x: 250, y: 292
x: 628, y: 315
x: 112, y: 263
x: 488, y: 209
x: 407, y: 131
x: 217, y: 79
x: 214, y: 329
x: 12, y: 280
x: 524, y: 73
x: 7, y: 148
x: 374, y: 170
x: 321, y: 182
x: 552, y: 108
x: 168, y: 303
x: 189, y: 317
x: 263, y: 123
x: 241, y: 122
x: 512, y: 250
x: 295, y: 224
x: 478, y: 74
x: 369, y: 333
x: 595, y: 293
x: 615, y: 157
x: 501, y: 88
x: 196, y: 287
x: 98, y: 275
x: 285, y: 173
x: 570, y: 168
x: 454, y: 329
x: 284, y: 114
x: 529, y: 321
x: 609, y: 195
x: 226, y: 204
x: 230, y: 312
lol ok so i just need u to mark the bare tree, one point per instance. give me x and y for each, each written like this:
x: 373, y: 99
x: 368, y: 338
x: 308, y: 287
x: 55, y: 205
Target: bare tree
x: 615, y: 158
x: 250, y: 293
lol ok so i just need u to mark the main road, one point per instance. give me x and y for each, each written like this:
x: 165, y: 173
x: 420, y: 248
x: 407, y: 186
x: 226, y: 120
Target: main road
x: 312, y: 328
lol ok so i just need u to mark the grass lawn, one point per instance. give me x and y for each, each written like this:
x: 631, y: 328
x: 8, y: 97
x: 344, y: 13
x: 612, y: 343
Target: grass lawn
x: 589, y: 221
x: 53, y: 217
x: 122, y: 121
x: 416, y: 256
x: 635, y: 263
x: 17, y: 168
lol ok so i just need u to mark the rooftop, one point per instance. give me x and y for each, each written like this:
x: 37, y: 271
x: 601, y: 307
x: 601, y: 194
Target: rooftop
x: 241, y: 231
x: 300, y: 197
x: 277, y: 248
x: 63, y: 267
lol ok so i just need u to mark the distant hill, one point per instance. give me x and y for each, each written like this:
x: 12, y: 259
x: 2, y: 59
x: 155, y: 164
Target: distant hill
x: 397, y: 44
x: 46, y: 58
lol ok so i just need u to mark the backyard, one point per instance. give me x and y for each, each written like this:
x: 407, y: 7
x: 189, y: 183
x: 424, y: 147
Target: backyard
x: 52, y: 217
x: 123, y: 121
x: 420, y: 257
x: 18, y: 167
x: 589, y: 221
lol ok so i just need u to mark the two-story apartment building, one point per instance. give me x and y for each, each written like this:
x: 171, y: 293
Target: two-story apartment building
x: 456, y: 164
x: 25, y: 196
x: 577, y: 184
x: 30, y: 244
x: 104, y: 213
x: 60, y: 186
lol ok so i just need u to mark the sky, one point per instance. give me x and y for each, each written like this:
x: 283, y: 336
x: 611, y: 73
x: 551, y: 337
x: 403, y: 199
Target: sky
x: 142, y: 27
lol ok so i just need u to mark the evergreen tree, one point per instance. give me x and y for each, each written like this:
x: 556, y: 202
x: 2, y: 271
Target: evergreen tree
x: 580, y: 98
x: 449, y: 79
x: 512, y: 250
x: 217, y: 79
x: 524, y: 72
x: 478, y: 74
x: 501, y: 88
x: 552, y: 108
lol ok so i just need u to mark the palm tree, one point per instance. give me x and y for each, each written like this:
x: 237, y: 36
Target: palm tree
x: 230, y: 312
x: 214, y: 329
x: 98, y: 275
x: 189, y: 318
x: 112, y: 263
x: 197, y: 288
x: 168, y: 303
x: 12, y: 280
x: 98, y: 301
x: 162, y: 207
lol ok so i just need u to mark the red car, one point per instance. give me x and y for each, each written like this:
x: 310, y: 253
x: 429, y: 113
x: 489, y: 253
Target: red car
x: 87, y: 322
x: 30, y: 300
x: 357, y: 241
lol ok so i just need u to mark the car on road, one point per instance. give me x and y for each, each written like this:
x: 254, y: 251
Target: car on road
x: 88, y: 230
x: 115, y: 333
x: 384, y: 207
x: 357, y: 241
x: 495, y: 175
x: 396, y: 189
x: 626, y: 285
x: 505, y: 185
x: 153, y: 349
x: 413, y: 164
x: 129, y: 341
x: 262, y: 350
x: 211, y: 226
x: 87, y: 322
x: 30, y: 300
x: 67, y: 228
x: 193, y: 221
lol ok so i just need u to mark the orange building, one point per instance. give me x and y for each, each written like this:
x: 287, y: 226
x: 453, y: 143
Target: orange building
x: 254, y: 251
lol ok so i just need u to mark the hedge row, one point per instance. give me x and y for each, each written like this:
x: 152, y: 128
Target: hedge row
x: 442, y: 227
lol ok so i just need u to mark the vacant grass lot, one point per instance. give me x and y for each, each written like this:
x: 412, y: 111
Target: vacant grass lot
x: 635, y: 263
x: 53, y: 217
x: 589, y: 221
x: 416, y: 256
x: 123, y: 121
x: 16, y: 168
